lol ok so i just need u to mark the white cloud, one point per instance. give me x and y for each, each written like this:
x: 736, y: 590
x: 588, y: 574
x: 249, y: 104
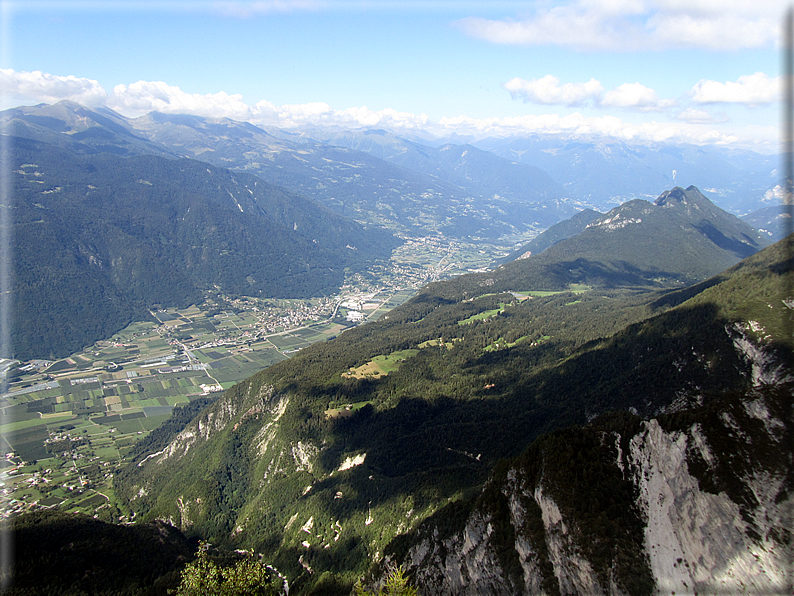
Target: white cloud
x: 625, y: 25
x: 696, y: 116
x: 716, y: 32
x: 40, y: 87
x: 562, y: 25
x: 752, y: 90
x: 606, y: 126
x: 143, y: 96
x: 635, y: 95
x: 548, y: 90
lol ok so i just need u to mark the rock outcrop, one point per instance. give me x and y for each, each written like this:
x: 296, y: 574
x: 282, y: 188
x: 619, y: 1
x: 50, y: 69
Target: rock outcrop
x: 710, y: 510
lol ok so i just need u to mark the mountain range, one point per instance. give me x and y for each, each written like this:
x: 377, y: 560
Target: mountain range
x: 483, y: 188
x: 326, y: 469
x: 352, y: 183
x: 99, y: 239
x: 607, y: 411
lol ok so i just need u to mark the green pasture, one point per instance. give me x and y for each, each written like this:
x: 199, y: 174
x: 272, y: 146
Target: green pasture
x: 341, y: 410
x: 486, y: 314
x: 502, y: 344
x: 381, y: 366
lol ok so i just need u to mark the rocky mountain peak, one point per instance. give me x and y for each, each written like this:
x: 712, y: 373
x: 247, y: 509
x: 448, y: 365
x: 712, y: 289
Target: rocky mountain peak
x: 678, y: 196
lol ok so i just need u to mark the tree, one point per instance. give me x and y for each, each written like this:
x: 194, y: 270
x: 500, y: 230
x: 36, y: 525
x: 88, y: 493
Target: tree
x: 247, y: 577
x: 395, y: 584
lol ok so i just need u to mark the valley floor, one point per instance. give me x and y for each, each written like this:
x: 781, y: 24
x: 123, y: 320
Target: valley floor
x: 67, y: 425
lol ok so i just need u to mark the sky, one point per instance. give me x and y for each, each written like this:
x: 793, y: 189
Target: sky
x: 700, y: 71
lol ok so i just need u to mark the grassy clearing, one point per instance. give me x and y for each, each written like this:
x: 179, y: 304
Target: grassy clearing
x: 487, y: 314
x: 344, y: 410
x: 574, y: 288
x: 502, y: 344
x: 380, y: 366
x: 440, y: 343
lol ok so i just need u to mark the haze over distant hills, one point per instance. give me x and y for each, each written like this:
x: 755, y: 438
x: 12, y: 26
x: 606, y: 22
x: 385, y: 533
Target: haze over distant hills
x: 480, y: 188
x: 604, y: 173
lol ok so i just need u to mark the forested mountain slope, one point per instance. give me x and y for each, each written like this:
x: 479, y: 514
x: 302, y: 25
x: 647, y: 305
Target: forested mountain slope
x: 73, y: 554
x: 681, y: 237
x: 697, y: 499
x: 443, y: 388
x: 98, y: 239
x: 465, y: 198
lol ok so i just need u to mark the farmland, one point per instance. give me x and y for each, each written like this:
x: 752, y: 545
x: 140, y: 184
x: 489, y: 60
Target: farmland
x: 67, y: 425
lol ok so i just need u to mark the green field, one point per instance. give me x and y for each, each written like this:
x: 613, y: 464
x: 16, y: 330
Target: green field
x: 486, y: 314
x: 380, y: 366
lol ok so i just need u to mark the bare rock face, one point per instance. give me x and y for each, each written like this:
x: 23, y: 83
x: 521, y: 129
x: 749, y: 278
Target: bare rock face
x: 711, y: 511
x: 701, y: 542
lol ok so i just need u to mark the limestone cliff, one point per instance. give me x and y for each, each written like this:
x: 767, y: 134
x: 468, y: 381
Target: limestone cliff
x: 710, y: 510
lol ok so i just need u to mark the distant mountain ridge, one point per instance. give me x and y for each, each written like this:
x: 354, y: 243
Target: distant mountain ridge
x: 681, y: 237
x: 460, y: 200
x: 603, y: 173
x: 100, y: 238
x: 461, y: 164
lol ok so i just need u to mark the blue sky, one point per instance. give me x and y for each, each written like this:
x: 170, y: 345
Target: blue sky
x: 704, y: 71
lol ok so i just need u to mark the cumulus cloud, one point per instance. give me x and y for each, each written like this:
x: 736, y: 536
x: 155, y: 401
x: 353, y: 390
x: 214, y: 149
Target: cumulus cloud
x: 145, y: 96
x: 635, y: 95
x: 699, y: 116
x: 548, y: 90
x: 752, y: 90
x: 694, y: 126
x: 625, y: 25
x: 40, y: 87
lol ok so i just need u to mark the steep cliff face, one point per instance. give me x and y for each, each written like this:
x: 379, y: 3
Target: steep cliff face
x: 710, y: 510
x: 195, y: 447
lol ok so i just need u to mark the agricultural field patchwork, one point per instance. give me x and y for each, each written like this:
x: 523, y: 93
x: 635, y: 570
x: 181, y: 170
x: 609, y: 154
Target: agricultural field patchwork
x: 67, y: 425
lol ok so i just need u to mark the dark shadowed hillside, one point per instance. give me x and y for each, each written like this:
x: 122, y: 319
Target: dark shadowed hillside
x: 98, y: 239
